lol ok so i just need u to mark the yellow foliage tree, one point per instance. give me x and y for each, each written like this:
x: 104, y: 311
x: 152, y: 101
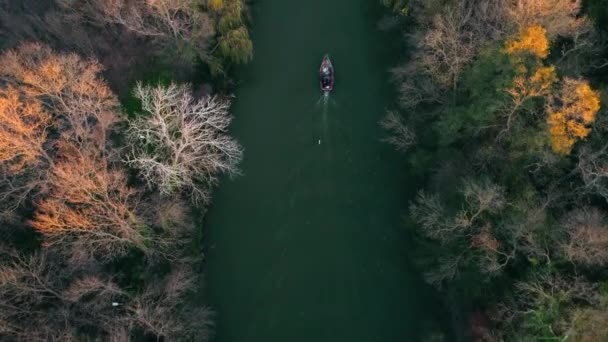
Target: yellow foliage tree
x: 568, y: 122
x: 531, y: 40
x: 538, y: 84
x: 526, y: 87
x: 215, y: 5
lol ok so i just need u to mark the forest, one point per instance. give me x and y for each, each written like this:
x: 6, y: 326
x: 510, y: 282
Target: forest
x: 109, y: 151
x: 501, y: 115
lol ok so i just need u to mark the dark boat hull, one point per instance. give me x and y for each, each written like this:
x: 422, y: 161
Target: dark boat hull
x: 326, y: 81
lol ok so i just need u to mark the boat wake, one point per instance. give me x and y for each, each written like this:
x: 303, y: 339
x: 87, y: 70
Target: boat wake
x: 323, y: 100
x: 323, y: 105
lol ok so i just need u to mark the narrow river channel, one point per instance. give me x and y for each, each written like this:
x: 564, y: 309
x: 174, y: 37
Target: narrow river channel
x: 309, y: 244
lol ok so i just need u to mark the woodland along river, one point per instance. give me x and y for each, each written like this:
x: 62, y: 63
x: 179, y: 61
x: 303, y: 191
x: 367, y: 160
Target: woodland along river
x: 308, y: 244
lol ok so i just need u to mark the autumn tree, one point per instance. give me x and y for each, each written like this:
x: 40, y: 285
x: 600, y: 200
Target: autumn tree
x: 179, y: 143
x: 526, y: 87
x: 47, y: 91
x: 89, y: 211
x: 571, y: 113
x: 70, y: 88
x: 23, y: 129
x: 23, y: 159
x: 531, y: 40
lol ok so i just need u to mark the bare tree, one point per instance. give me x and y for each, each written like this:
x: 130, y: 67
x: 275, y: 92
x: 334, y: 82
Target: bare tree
x: 181, y: 143
x: 159, y: 310
x: 451, y: 37
x: 557, y: 17
x: 23, y: 130
x: 175, y: 21
x: 402, y: 137
x: 47, y: 89
x: 472, y: 225
x: 589, y: 324
x: 544, y: 290
x: 89, y: 209
x: 40, y: 300
x: 448, y: 46
x: 70, y: 88
x: 587, y: 237
x: 593, y: 169
x: 23, y: 158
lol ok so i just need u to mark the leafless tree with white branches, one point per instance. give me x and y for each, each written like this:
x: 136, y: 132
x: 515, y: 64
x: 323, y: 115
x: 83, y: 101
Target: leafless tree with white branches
x: 181, y: 144
x: 471, y: 225
x: 401, y: 136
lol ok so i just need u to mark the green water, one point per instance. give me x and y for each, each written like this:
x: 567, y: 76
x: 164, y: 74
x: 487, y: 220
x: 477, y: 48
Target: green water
x: 309, y: 244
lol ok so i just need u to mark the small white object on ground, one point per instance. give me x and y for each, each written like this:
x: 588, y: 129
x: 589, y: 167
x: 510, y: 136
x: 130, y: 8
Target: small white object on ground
x: 319, y: 141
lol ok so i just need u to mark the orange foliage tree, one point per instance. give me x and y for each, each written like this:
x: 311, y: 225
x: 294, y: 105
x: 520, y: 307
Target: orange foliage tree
x: 89, y: 210
x: 43, y: 89
x: 69, y: 87
x: 23, y: 129
x: 571, y: 114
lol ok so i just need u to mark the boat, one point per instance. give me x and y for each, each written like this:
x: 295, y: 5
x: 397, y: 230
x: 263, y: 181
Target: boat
x: 326, y: 75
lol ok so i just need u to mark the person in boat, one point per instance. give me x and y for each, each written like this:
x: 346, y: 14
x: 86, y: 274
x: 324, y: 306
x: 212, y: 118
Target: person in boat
x: 326, y: 79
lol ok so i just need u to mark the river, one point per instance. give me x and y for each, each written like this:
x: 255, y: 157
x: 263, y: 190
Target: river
x: 308, y: 244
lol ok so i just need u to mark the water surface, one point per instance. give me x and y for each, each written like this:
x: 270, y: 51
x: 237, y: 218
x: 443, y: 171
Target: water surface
x: 308, y: 244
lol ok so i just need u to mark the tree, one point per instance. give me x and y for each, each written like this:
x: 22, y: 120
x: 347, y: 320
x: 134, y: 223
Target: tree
x: 176, y: 21
x: 45, y: 90
x: 82, y: 105
x: 531, y: 40
x: 402, y: 137
x: 557, y: 17
x: 89, y: 211
x: 449, y: 46
x: 23, y: 130
x: 159, y: 309
x: 542, y: 304
x: 472, y: 226
x: 571, y: 113
x: 23, y: 159
x: 233, y: 41
x: 452, y: 35
x: 179, y: 143
x: 587, y: 237
x: 527, y: 87
x: 40, y: 300
x: 592, y: 167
